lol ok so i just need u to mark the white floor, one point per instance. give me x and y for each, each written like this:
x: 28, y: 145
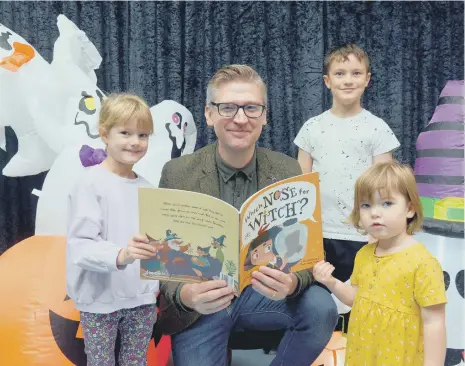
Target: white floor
x: 247, y: 358
x: 251, y: 358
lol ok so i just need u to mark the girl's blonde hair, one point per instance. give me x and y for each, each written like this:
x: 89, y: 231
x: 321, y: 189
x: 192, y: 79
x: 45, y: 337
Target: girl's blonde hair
x: 117, y: 109
x: 386, y: 178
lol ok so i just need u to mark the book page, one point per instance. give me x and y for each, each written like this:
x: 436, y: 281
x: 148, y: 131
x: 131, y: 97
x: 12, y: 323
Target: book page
x: 281, y: 227
x: 196, y: 236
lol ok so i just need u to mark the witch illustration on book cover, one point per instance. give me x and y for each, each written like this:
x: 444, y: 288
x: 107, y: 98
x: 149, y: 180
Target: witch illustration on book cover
x: 278, y: 247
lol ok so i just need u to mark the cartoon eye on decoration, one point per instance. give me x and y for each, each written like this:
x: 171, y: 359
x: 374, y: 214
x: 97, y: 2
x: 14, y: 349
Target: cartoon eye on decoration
x: 87, y: 104
x: 184, y: 129
x: 176, y: 117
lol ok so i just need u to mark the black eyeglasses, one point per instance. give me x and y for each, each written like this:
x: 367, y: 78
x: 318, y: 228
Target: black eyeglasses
x: 229, y: 110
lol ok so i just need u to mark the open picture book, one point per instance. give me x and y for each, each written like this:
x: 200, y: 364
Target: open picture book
x: 200, y: 237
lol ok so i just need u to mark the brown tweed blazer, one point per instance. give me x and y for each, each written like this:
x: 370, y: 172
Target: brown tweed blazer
x: 197, y: 172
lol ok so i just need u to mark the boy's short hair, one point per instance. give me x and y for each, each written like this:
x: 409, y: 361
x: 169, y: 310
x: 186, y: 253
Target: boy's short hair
x: 386, y: 178
x: 234, y: 73
x: 119, y: 108
x: 342, y: 53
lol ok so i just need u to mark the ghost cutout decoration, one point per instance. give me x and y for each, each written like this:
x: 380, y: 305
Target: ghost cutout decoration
x: 52, y: 206
x: 59, y: 115
x: 74, y: 84
x: 67, y: 121
x: 175, y: 135
x: 75, y: 124
x: 23, y: 73
x: 167, y: 143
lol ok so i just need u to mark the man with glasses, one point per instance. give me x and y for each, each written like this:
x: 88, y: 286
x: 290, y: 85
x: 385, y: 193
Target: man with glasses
x: 201, y: 316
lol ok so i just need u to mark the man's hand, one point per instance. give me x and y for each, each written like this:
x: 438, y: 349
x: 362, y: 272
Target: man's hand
x: 322, y: 272
x: 274, y: 284
x: 206, y: 297
x: 138, y: 248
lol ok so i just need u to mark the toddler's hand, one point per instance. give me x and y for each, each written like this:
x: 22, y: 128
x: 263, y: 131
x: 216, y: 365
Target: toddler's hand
x: 322, y: 272
x: 138, y: 248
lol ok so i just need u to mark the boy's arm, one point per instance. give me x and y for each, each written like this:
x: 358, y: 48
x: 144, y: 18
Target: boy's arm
x: 434, y: 333
x: 305, y: 160
x: 382, y: 158
x: 384, y: 142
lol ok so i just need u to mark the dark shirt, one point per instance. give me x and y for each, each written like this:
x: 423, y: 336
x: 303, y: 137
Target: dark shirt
x: 236, y: 185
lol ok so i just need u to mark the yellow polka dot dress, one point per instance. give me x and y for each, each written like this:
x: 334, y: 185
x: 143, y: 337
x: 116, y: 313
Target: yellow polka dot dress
x: 385, y: 323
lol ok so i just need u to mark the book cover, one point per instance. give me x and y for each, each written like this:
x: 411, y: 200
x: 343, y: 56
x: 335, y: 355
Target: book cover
x: 199, y: 237
x: 281, y: 227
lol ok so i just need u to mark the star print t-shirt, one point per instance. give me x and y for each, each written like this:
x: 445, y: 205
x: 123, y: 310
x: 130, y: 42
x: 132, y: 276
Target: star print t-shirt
x: 342, y: 149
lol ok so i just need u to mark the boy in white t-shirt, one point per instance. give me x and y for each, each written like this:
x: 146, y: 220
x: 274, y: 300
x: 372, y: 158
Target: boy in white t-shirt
x: 341, y: 144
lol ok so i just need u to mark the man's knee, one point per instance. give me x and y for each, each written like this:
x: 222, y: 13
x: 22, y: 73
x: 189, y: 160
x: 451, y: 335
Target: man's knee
x: 317, y: 305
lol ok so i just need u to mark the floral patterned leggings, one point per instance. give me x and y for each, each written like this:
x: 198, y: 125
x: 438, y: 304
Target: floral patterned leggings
x: 100, y: 330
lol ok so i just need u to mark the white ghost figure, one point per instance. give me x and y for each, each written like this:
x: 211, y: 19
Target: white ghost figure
x: 74, y: 123
x: 23, y: 74
x: 52, y: 207
x: 175, y: 135
x: 73, y: 83
x: 450, y: 253
x: 54, y: 108
x: 66, y: 117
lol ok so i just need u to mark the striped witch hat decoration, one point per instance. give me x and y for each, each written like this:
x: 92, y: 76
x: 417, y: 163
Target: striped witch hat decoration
x: 439, y: 170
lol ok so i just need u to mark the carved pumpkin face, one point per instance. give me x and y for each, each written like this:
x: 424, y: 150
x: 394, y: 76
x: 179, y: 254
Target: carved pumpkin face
x: 334, y: 353
x: 39, y: 324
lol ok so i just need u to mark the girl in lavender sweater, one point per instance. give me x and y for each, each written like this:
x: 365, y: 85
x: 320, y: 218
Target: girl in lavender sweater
x: 103, y: 248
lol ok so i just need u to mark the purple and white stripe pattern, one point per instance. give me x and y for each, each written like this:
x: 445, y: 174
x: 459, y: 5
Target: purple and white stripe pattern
x: 439, y: 170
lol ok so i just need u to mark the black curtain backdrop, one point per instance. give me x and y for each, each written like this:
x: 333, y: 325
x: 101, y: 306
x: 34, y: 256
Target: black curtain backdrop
x: 169, y: 50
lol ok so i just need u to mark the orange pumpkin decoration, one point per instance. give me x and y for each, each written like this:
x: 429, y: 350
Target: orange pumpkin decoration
x: 39, y: 324
x: 334, y: 353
